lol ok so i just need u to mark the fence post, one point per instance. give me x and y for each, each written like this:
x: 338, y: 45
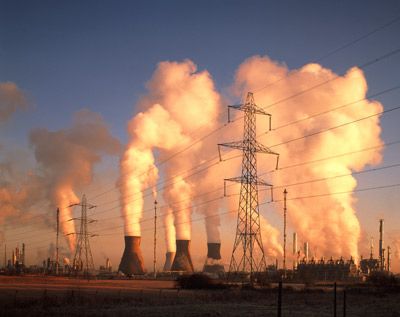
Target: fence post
x: 334, y: 300
x: 280, y: 299
x: 344, y: 303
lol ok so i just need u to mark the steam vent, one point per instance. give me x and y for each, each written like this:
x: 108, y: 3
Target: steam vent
x: 182, y: 260
x: 169, y: 258
x: 213, y: 262
x: 132, y: 260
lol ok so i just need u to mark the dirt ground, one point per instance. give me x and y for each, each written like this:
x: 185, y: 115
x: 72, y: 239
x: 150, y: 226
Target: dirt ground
x: 49, y: 296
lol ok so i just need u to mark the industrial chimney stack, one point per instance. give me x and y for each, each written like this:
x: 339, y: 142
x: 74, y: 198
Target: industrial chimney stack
x: 132, y: 260
x: 389, y: 260
x: 294, y: 250
x: 381, y: 252
x: 182, y: 260
x: 23, y: 255
x: 306, y: 251
x: 213, y: 262
x: 169, y: 259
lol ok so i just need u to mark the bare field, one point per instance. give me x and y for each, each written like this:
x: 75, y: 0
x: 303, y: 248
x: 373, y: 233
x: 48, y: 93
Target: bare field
x: 49, y: 296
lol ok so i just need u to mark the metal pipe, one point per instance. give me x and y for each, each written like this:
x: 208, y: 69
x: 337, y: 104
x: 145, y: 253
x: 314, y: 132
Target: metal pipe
x: 57, y: 235
x: 294, y: 250
x: 306, y: 251
x: 381, y: 255
x: 284, y: 232
x: 155, y: 239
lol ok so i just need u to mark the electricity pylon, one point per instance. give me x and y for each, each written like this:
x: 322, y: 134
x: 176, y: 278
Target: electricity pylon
x: 248, y: 253
x: 83, y: 259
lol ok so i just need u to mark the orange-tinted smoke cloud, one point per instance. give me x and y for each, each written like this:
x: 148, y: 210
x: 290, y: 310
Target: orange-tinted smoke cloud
x: 12, y: 99
x: 181, y: 105
x: 66, y: 159
x: 328, y: 223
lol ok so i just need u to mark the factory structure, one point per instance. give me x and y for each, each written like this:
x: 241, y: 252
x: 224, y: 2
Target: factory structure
x: 341, y: 269
x: 305, y: 266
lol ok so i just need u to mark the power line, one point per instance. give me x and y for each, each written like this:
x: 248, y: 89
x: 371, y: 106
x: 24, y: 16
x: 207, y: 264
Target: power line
x: 277, y: 201
x: 336, y: 50
x: 275, y: 187
x: 292, y: 140
x: 363, y: 66
x: 288, y: 141
x: 279, y: 169
x: 336, y: 127
x: 300, y: 164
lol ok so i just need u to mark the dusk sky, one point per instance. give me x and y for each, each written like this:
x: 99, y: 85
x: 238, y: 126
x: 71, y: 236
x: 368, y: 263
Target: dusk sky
x: 98, y: 55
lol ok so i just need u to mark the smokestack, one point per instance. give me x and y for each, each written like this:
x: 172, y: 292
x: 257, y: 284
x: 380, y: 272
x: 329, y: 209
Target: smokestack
x: 23, y: 255
x: 169, y: 258
x: 132, y: 260
x: 371, y: 255
x: 294, y: 243
x: 306, y: 251
x: 182, y: 260
x: 381, y: 255
x: 213, y: 262
x: 294, y: 250
x: 388, y: 259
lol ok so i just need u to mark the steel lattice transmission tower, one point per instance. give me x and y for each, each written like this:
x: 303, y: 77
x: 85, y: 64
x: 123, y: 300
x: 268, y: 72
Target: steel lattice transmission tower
x: 248, y: 253
x: 83, y: 259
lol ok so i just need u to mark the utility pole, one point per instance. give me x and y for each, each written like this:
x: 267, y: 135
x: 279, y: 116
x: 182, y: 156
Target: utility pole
x: 57, y: 235
x: 371, y: 254
x: 381, y: 249
x: 155, y: 238
x: 248, y: 252
x: 5, y: 256
x: 284, y: 232
x: 83, y: 259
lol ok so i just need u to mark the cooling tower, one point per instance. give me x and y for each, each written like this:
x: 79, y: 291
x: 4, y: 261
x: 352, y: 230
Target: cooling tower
x: 169, y: 258
x: 132, y: 260
x: 182, y: 260
x: 213, y: 262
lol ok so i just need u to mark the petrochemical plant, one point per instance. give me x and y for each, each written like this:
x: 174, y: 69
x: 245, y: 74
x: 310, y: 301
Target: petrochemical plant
x: 305, y: 267
x: 248, y: 261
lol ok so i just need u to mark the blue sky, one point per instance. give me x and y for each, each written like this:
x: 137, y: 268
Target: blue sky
x: 98, y: 54
x: 67, y: 55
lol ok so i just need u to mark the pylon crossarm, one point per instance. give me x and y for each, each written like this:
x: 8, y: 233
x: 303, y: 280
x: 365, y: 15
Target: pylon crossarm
x: 260, y: 148
x: 245, y: 180
x: 240, y: 145
x: 234, y: 145
x: 249, y: 108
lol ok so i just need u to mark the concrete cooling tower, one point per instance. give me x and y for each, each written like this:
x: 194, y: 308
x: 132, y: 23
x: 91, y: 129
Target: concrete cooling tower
x: 132, y: 260
x: 213, y: 262
x: 169, y: 258
x: 182, y: 260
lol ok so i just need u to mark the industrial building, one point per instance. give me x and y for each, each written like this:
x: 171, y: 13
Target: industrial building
x: 331, y: 270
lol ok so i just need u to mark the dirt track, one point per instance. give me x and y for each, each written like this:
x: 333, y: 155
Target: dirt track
x: 44, y: 296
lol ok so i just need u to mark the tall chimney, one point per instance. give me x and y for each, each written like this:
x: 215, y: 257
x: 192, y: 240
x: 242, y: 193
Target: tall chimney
x: 132, y: 260
x: 23, y: 255
x: 371, y: 255
x: 294, y: 250
x: 306, y: 251
x: 381, y: 255
x: 169, y: 258
x: 389, y: 260
x: 213, y: 262
x: 182, y: 260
